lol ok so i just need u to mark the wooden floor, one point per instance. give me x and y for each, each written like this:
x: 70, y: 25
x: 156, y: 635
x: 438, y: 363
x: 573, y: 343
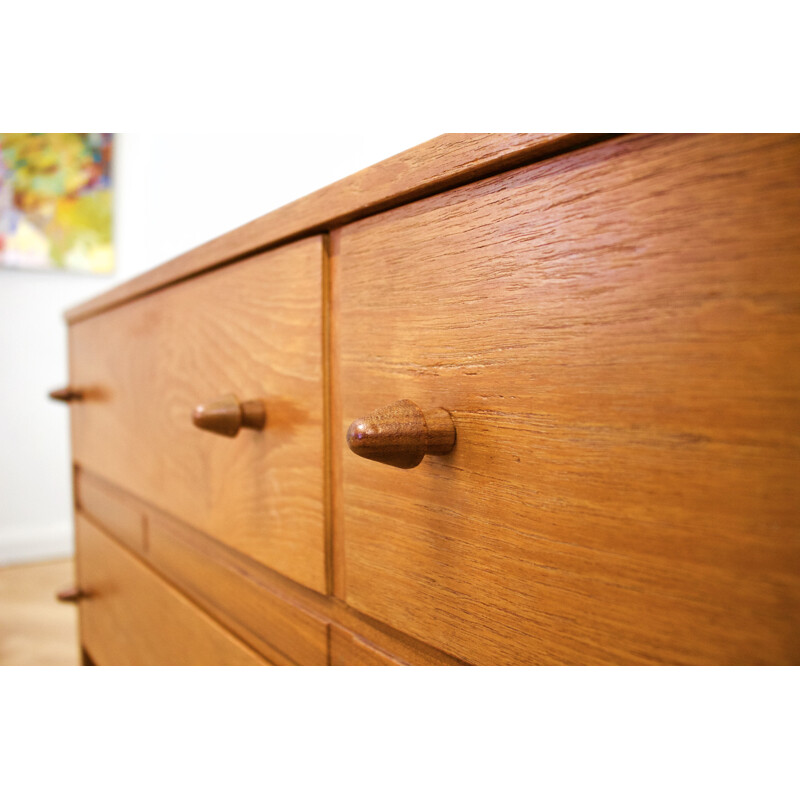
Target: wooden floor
x: 34, y: 628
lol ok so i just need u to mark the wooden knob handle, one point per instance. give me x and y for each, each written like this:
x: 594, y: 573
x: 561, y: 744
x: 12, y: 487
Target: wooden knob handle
x: 72, y: 595
x: 227, y: 415
x: 66, y: 395
x: 401, y: 434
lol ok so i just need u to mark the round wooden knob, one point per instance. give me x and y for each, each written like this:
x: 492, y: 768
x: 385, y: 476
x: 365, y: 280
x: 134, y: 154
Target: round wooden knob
x: 227, y: 415
x: 401, y: 434
x: 66, y: 395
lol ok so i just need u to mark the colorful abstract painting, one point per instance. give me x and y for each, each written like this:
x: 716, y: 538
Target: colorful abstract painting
x: 56, y: 201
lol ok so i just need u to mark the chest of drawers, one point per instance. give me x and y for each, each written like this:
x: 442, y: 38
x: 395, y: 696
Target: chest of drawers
x: 596, y: 341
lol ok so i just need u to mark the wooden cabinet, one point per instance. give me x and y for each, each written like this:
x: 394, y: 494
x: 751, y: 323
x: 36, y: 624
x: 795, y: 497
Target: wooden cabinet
x: 610, y: 323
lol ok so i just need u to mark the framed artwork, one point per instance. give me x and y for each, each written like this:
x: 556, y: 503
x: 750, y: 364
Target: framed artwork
x: 56, y: 202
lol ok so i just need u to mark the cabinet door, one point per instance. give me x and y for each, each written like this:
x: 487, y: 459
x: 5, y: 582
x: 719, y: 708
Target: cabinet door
x: 616, y: 333
x: 252, y: 330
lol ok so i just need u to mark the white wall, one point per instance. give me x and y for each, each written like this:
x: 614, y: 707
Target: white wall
x: 173, y: 192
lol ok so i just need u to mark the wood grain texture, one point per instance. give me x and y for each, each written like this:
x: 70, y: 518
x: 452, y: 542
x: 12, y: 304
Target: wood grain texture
x: 284, y: 621
x: 253, y: 329
x: 348, y: 650
x: 436, y: 165
x: 616, y: 334
x: 268, y: 623
x: 108, y: 507
x: 134, y: 619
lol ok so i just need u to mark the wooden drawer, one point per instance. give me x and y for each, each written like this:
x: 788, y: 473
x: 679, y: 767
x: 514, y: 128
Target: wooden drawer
x: 616, y: 333
x: 252, y: 329
x: 131, y: 617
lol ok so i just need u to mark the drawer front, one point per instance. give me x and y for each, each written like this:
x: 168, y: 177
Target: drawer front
x: 132, y: 618
x: 254, y: 330
x: 616, y: 334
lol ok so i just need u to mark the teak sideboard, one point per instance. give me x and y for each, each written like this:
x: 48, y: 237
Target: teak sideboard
x: 500, y: 399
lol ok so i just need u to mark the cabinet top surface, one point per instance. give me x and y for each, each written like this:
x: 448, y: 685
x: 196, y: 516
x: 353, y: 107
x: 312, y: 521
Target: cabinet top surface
x: 439, y: 164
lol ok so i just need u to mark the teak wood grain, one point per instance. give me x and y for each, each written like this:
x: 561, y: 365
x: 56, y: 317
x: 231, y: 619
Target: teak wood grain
x: 616, y: 333
x: 132, y: 618
x: 431, y: 167
x: 253, y: 329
